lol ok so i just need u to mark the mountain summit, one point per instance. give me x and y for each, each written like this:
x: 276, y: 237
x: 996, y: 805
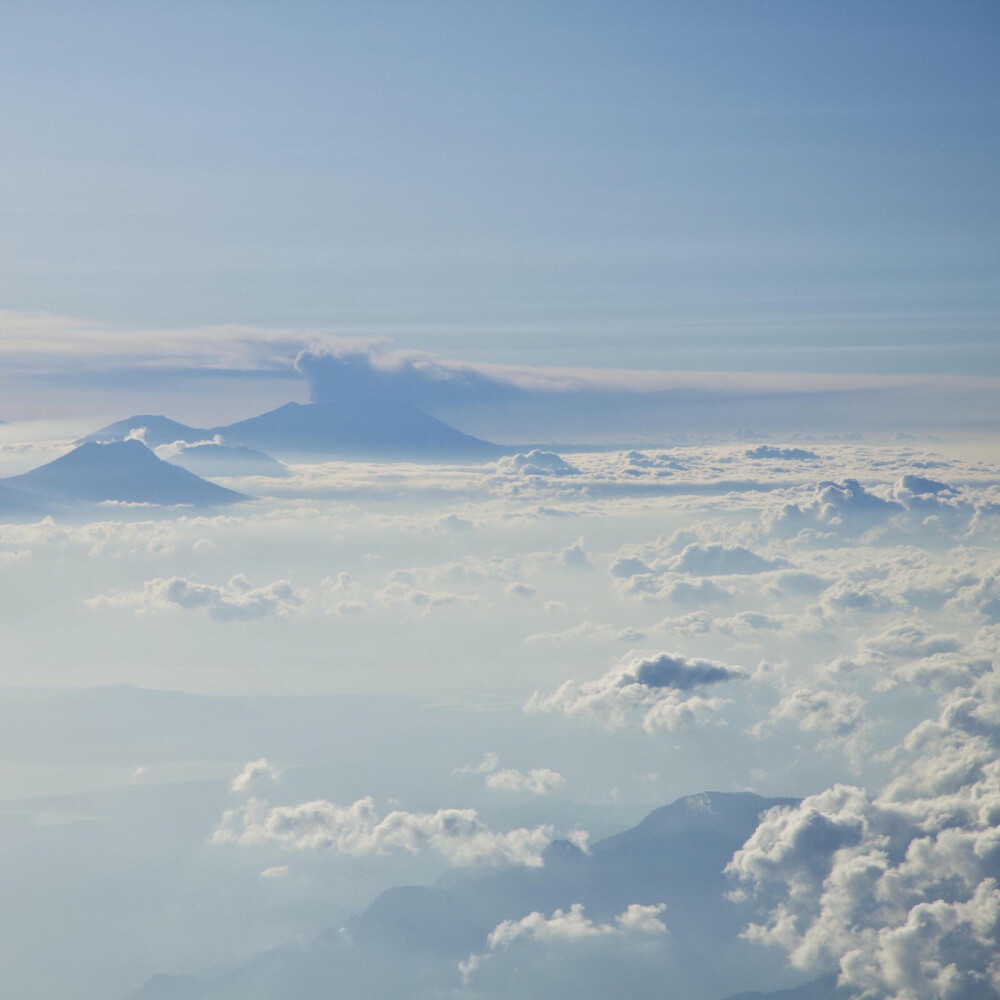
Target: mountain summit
x: 121, y: 470
x: 353, y: 428
x: 157, y: 430
x: 350, y: 427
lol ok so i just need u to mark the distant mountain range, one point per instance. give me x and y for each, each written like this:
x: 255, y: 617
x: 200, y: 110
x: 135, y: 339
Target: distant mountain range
x: 408, y: 943
x: 207, y: 458
x: 125, y: 471
x: 156, y: 431
x: 342, y: 428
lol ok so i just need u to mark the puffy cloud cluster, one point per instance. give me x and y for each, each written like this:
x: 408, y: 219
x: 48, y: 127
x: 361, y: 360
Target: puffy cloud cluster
x: 682, y: 571
x: 915, y: 508
x: 837, y: 717
x: 660, y: 691
x: 723, y: 560
x: 573, y: 924
x: 839, y: 508
x: 238, y: 600
x: 569, y: 926
x: 537, y: 781
x: 769, y: 451
x: 907, y: 654
x: 458, y: 835
x: 898, y: 891
x: 535, y: 463
x: 982, y: 596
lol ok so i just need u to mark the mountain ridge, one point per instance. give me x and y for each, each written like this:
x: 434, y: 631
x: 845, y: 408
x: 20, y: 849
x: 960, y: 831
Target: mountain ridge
x: 413, y: 934
x: 348, y: 427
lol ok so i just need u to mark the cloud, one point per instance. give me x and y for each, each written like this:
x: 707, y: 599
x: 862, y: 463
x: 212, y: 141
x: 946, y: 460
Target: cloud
x: 898, y: 890
x: 253, y: 774
x: 334, y: 364
x: 983, y: 597
x: 940, y: 671
x: 625, y: 567
x: 41, y: 342
x: 675, y: 589
x: 555, y: 399
x: 537, y: 781
x: 535, y: 463
x: 914, y: 509
x: 458, y: 835
x: 911, y: 639
x: 723, y: 560
x: 780, y: 454
x: 237, y: 600
x: 834, y: 714
x: 276, y: 872
x: 842, y: 508
x: 570, y: 926
x: 588, y: 632
x: 744, y: 624
x: 681, y: 570
x: 574, y: 556
x: 654, y: 690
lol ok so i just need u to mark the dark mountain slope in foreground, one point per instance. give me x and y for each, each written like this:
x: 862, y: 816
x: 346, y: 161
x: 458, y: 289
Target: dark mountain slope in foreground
x: 123, y: 470
x: 353, y: 428
x: 409, y: 942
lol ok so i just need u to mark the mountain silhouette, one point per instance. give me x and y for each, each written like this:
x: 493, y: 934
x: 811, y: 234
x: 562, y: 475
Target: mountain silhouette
x: 350, y: 428
x: 122, y: 470
x: 408, y: 942
x: 823, y: 988
x: 158, y: 431
x: 208, y: 458
x: 17, y: 502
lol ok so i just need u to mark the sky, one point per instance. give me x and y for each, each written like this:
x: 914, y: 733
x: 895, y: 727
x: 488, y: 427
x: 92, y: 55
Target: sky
x: 761, y: 186
x: 570, y: 567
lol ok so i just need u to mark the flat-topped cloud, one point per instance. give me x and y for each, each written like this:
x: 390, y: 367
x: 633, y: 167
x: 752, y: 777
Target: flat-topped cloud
x: 657, y: 692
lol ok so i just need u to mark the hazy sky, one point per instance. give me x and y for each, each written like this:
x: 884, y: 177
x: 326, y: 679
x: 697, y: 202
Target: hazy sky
x: 739, y: 261
x: 807, y: 186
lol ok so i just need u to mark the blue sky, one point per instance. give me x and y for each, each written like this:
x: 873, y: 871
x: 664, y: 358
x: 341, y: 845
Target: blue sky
x: 769, y: 186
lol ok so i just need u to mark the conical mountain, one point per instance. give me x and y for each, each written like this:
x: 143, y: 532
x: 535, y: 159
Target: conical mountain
x: 122, y: 470
x: 158, y: 430
x: 357, y: 427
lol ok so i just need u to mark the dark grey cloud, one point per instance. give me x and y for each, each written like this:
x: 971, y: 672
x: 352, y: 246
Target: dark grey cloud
x: 679, y: 673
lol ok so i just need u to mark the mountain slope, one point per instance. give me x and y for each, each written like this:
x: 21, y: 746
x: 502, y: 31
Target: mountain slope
x: 16, y: 502
x: 123, y: 470
x: 159, y: 430
x: 207, y: 458
x: 350, y: 428
x: 824, y: 988
x: 409, y: 942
